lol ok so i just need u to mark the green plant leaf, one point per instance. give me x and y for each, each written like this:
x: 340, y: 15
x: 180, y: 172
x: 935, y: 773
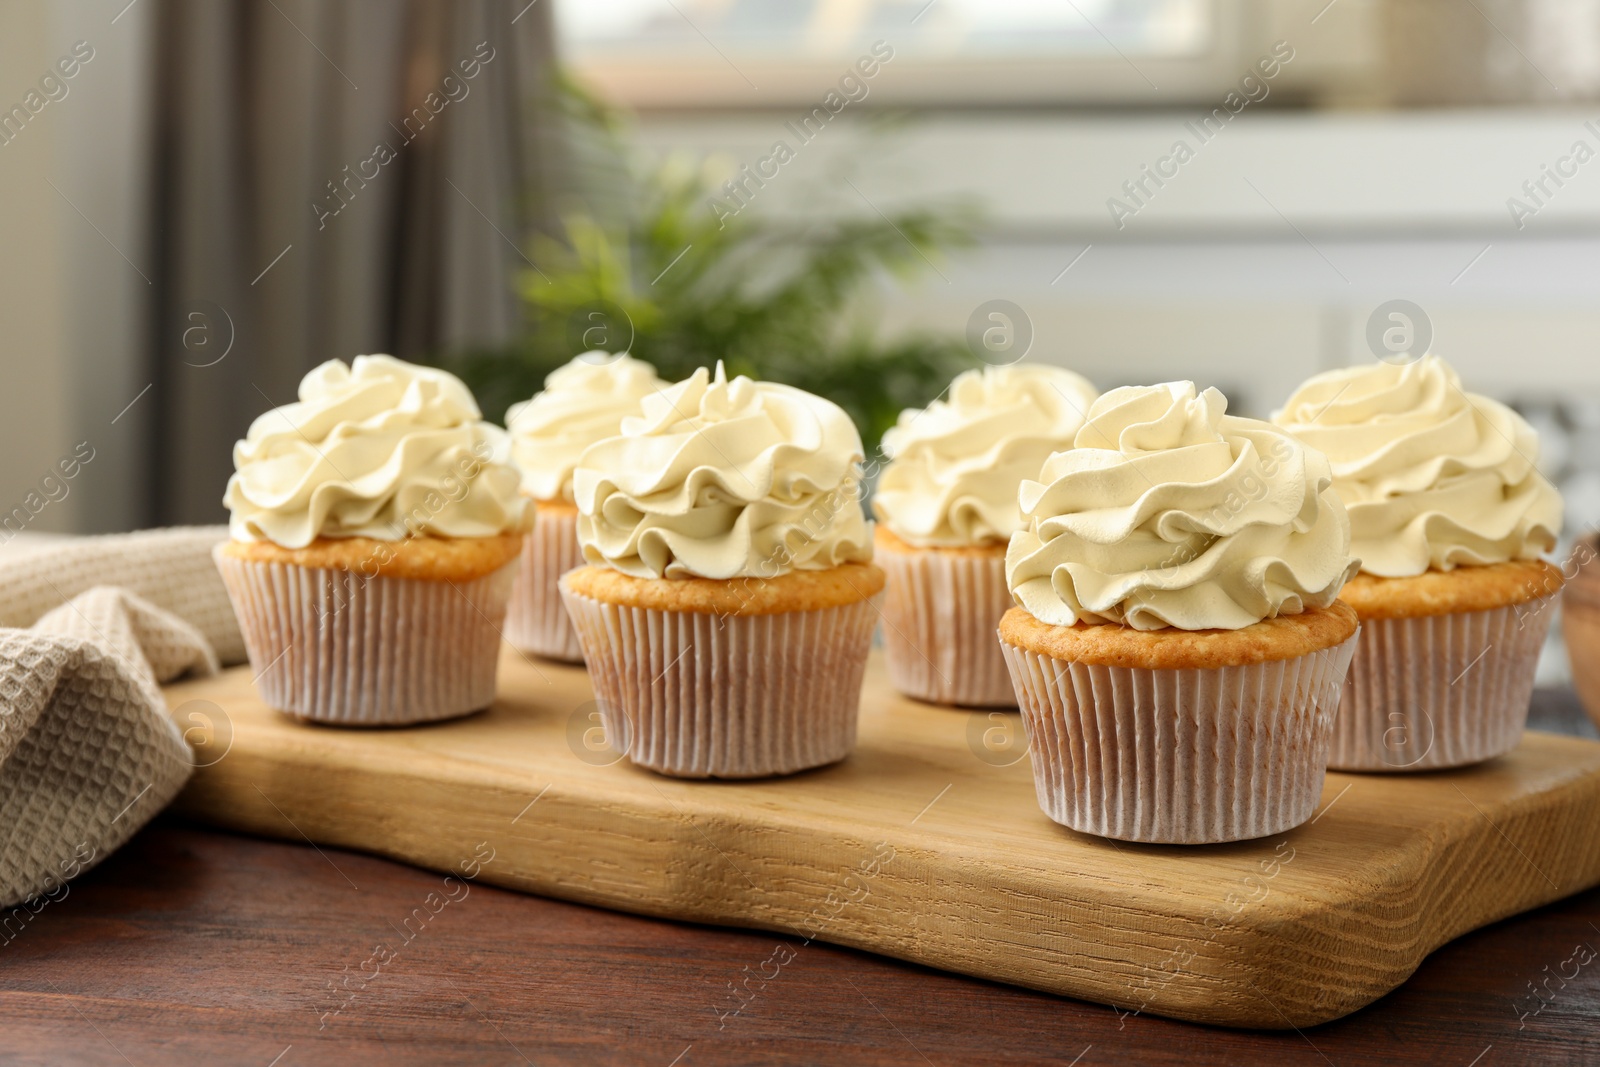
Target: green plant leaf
x: 773, y: 300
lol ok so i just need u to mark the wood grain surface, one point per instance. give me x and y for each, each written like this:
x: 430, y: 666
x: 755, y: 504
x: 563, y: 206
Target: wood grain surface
x: 922, y: 846
x: 191, y: 946
x: 196, y: 947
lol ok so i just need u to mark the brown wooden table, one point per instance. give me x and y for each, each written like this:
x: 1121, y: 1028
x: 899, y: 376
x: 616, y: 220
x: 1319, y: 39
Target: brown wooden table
x: 191, y: 946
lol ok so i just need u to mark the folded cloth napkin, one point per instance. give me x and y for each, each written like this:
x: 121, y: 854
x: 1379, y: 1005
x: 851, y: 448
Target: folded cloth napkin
x: 88, y: 751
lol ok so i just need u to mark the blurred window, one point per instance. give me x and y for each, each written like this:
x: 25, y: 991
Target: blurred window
x: 764, y: 53
x: 979, y: 29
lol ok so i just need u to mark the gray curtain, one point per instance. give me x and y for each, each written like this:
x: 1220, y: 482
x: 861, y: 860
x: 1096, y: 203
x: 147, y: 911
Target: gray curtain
x: 331, y: 177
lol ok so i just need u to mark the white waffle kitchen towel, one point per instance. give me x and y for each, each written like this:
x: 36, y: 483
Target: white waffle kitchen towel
x: 88, y: 752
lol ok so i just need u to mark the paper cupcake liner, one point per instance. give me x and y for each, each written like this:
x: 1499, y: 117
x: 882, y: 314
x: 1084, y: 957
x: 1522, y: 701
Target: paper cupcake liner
x: 1179, y: 756
x: 335, y: 647
x: 1440, y: 690
x: 1580, y: 624
x: 939, y: 619
x: 536, y: 621
x: 707, y: 696
x: 1580, y: 620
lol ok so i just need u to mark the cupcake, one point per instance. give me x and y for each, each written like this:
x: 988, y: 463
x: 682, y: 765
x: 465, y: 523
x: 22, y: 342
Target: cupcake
x: 1449, y: 517
x: 946, y: 506
x: 727, y: 606
x: 1178, y: 645
x: 375, y: 529
x: 582, y: 402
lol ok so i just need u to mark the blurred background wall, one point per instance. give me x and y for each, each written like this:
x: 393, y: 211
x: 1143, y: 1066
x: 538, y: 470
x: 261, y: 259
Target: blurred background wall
x: 1377, y: 164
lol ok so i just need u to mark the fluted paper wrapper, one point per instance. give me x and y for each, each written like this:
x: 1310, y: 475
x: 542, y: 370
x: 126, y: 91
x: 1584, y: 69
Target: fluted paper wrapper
x: 536, y: 621
x: 335, y: 647
x: 1440, y: 690
x: 707, y: 696
x: 939, y: 619
x: 1580, y: 625
x: 1179, y: 756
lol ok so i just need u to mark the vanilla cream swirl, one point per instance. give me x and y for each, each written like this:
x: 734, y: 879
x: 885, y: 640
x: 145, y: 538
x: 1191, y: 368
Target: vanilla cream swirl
x: 725, y: 479
x: 1433, y: 477
x: 1169, y: 512
x: 956, y: 464
x: 380, y: 449
x: 582, y: 402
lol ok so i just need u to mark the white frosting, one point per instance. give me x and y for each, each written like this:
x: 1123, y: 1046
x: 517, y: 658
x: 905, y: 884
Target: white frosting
x: 956, y: 464
x: 582, y: 402
x: 380, y: 449
x: 1169, y: 512
x: 725, y: 479
x: 1433, y: 477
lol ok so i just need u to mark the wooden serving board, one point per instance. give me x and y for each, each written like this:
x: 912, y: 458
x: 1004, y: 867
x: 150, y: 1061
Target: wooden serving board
x: 927, y: 844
